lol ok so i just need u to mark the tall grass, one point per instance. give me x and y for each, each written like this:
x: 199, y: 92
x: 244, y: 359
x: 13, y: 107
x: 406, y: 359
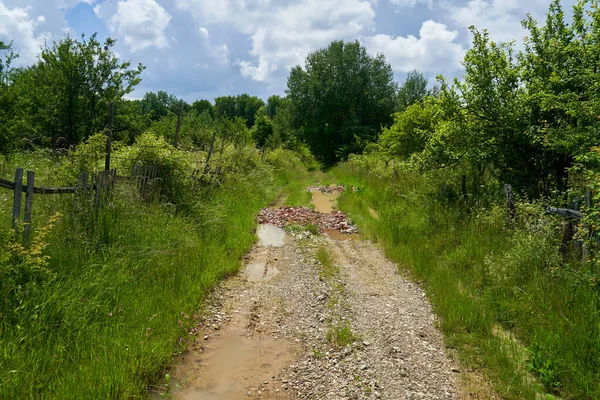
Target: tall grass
x: 506, y: 300
x: 104, y: 321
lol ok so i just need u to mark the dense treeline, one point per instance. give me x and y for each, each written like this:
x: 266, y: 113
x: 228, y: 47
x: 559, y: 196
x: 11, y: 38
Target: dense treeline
x: 63, y: 99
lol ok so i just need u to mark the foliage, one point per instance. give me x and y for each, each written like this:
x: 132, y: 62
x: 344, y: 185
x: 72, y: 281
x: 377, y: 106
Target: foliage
x: 173, y: 165
x: 200, y: 106
x: 7, y: 97
x: 414, y: 90
x: 89, y: 156
x: 23, y: 269
x: 340, y: 100
x: 68, y: 90
x: 411, y: 131
x: 161, y: 104
x: 262, y: 131
x: 243, y: 106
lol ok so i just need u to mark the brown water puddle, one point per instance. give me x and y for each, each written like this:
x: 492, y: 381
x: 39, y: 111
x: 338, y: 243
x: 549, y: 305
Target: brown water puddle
x: 337, y: 235
x: 234, y: 367
x: 259, y: 271
x: 324, y: 203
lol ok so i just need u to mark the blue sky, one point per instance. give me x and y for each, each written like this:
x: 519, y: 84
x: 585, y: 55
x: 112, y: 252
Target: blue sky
x: 208, y: 48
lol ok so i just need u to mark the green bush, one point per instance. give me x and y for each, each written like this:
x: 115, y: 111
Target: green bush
x: 174, y: 165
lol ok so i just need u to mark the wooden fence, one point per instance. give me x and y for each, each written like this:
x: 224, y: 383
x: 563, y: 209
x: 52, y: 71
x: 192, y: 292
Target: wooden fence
x: 571, y: 215
x: 94, y: 188
x: 148, y: 179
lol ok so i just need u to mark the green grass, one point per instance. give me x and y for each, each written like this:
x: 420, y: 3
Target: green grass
x: 104, y: 323
x: 328, y: 268
x: 479, y: 277
x: 341, y: 334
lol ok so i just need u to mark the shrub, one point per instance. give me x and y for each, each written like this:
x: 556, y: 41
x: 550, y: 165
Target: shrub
x: 174, y: 165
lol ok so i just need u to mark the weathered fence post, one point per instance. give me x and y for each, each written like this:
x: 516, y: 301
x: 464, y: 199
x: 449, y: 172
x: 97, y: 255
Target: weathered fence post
x: 111, y: 109
x: 210, y: 150
x: 585, y: 250
x: 510, y: 205
x: 18, y: 190
x: 28, y: 205
x: 176, y: 142
x: 576, y: 243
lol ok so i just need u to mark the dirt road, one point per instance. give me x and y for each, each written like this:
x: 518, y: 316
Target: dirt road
x: 293, y: 325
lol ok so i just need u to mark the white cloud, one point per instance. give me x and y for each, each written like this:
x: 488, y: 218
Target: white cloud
x: 411, y: 3
x: 281, y: 35
x: 140, y: 23
x: 502, y: 18
x: 204, y: 32
x: 18, y: 25
x: 434, y: 51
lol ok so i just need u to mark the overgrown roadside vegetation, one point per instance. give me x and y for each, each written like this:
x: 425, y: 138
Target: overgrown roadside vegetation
x: 506, y: 300
x: 98, y: 304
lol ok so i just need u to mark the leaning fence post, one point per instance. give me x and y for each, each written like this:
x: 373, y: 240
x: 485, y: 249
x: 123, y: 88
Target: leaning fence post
x: 576, y: 243
x: 178, y: 124
x: 28, y: 205
x: 210, y: 150
x: 510, y: 204
x: 18, y: 189
x: 585, y: 250
x: 111, y: 109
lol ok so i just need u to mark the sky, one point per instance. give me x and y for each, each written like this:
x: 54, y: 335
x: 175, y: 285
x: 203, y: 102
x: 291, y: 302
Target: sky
x: 202, y: 49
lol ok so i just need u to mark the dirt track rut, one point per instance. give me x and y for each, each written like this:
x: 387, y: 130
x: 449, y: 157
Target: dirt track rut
x: 268, y: 331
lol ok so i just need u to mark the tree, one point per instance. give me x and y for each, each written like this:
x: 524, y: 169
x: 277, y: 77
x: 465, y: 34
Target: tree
x: 560, y: 71
x: 65, y: 95
x: 158, y: 105
x: 7, y: 97
x: 412, y: 91
x: 199, y: 106
x: 247, y: 106
x: 225, y: 107
x: 262, y: 131
x: 412, y: 129
x: 341, y: 99
x: 243, y: 106
x: 273, y: 103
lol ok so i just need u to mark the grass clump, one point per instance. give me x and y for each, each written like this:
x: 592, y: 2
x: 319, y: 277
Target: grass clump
x: 328, y: 268
x: 341, y: 334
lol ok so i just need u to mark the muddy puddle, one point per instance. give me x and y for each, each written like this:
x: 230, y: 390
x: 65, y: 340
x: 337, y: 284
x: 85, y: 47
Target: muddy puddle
x: 234, y: 366
x: 324, y: 203
x: 270, y: 235
x: 337, y: 235
x: 259, y: 271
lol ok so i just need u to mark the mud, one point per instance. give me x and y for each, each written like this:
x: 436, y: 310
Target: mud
x: 324, y: 203
x: 234, y: 367
x: 337, y: 235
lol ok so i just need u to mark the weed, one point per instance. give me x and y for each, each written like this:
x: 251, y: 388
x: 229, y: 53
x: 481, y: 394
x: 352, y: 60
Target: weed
x: 328, y: 268
x: 544, y: 367
x: 313, y: 228
x: 317, y: 354
x: 341, y: 334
